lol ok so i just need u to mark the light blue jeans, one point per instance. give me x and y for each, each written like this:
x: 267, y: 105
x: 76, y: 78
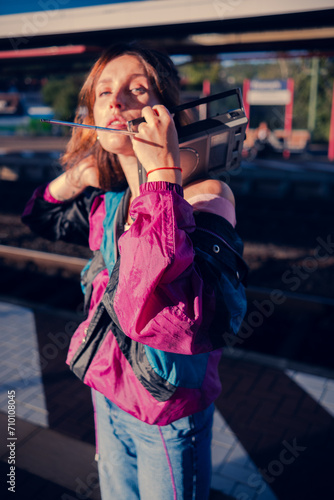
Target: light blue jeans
x: 149, y: 462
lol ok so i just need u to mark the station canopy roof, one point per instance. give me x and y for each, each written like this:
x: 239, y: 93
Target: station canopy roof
x: 76, y: 30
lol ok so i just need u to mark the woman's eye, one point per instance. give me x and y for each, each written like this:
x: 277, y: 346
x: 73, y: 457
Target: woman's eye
x: 104, y: 92
x: 138, y: 90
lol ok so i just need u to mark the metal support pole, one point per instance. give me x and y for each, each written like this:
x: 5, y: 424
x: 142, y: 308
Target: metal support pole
x: 312, y: 108
x: 331, y: 132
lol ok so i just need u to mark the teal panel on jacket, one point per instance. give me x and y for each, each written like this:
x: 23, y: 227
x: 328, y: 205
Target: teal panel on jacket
x: 112, y: 200
x: 180, y: 370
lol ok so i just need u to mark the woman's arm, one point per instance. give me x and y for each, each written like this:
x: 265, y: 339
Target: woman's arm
x: 60, y: 210
x: 158, y: 301
x: 209, y: 187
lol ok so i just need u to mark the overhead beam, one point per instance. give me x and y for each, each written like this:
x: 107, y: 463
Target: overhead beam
x: 218, y: 39
x: 160, y: 19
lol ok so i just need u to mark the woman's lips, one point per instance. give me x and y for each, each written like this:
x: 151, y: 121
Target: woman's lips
x: 118, y: 124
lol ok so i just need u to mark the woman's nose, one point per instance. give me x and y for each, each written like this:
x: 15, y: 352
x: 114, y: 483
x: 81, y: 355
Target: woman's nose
x: 116, y: 100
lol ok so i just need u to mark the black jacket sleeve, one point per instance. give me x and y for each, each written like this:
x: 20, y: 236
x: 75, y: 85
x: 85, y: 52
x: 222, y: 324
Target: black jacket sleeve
x: 67, y: 221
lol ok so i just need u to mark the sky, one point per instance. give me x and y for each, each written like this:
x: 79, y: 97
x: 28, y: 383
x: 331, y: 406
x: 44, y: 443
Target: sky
x: 21, y: 6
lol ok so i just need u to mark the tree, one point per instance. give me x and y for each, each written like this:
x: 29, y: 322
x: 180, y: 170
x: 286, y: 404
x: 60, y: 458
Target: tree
x: 194, y: 73
x: 62, y: 95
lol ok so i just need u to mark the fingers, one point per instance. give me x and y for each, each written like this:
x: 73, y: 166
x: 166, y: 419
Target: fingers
x: 155, y: 115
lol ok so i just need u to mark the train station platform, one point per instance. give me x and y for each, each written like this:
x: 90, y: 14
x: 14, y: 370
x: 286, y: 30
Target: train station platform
x: 273, y: 430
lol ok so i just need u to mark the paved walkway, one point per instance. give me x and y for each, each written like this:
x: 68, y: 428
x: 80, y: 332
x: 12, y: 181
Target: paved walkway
x: 273, y: 430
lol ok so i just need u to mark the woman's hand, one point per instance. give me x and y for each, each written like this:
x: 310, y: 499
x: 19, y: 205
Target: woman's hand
x: 75, y: 180
x: 156, y: 145
x: 84, y: 175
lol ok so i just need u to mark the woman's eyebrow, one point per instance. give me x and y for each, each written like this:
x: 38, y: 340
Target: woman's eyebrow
x: 109, y: 80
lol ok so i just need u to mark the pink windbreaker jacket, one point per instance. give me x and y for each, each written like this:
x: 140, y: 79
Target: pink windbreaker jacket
x: 161, y: 297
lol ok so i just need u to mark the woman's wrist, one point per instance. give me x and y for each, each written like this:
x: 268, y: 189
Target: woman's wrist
x: 68, y: 185
x: 166, y: 174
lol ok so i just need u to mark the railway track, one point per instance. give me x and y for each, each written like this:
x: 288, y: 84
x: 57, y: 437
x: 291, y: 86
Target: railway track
x: 42, y: 259
x: 298, y: 326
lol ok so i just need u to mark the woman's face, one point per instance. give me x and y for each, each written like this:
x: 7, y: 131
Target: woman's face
x: 121, y: 92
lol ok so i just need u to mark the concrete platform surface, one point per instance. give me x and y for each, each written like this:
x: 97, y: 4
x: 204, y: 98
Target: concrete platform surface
x: 273, y: 432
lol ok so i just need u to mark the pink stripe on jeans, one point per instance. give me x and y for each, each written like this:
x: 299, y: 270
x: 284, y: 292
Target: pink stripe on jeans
x: 169, y: 464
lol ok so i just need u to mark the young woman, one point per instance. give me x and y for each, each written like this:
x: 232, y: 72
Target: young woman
x: 151, y: 342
